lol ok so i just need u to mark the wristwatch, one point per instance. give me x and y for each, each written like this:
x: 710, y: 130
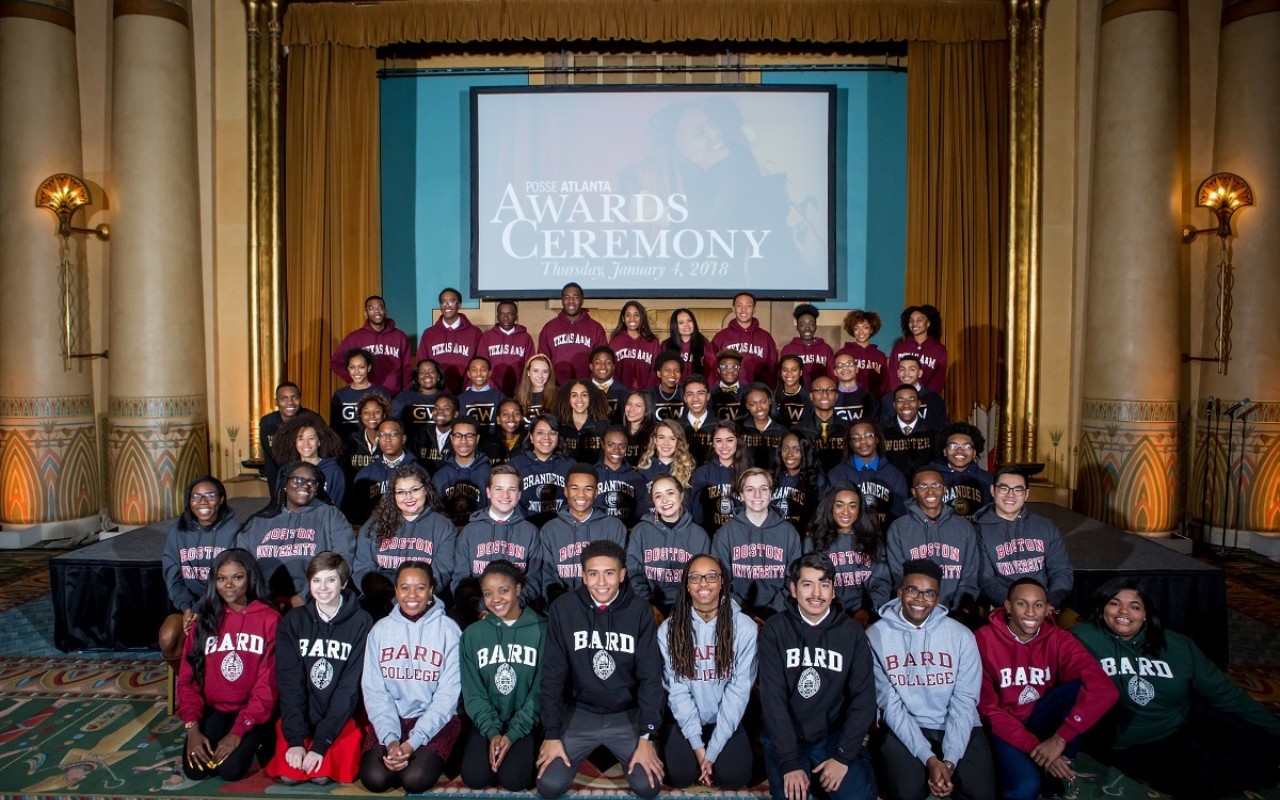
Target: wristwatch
x: 189, y: 725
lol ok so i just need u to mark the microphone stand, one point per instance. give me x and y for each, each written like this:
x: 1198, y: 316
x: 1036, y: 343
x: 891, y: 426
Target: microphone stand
x: 1244, y: 415
x: 1204, y: 470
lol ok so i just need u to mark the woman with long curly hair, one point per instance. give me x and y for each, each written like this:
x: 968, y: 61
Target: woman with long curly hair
x: 921, y: 336
x: 583, y: 411
x: 307, y: 438
x: 667, y: 453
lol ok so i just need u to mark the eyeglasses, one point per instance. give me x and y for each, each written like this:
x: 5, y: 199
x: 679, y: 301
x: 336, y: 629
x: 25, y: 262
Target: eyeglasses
x: 1004, y: 488
x: 928, y: 487
x: 863, y: 437
x: 845, y: 364
x: 822, y: 391
x: 300, y: 482
x: 466, y: 437
x: 902, y: 401
x: 960, y: 447
x: 696, y: 579
x: 911, y: 593
x: 390, y: 435
x: 204, y: 497
x: 411, y: 491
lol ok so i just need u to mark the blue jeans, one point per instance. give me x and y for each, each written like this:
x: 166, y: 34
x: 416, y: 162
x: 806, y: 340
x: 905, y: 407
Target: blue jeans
x: 1018, y: 775
x: 859, y: 782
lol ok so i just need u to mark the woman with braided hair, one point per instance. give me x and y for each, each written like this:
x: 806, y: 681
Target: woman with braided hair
x: 709, y: 664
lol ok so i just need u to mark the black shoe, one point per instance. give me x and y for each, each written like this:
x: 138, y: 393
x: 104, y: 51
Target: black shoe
x: 322, y: 780
x: 288, y: 781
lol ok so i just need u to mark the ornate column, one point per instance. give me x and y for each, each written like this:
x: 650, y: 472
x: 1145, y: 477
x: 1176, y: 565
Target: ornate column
x: 157, y: 434
x: 1236, y: 491
x: 1129, y: 422
x: 49, y: 484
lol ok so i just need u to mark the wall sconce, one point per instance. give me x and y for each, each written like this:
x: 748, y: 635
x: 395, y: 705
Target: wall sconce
x: 64, y: 194
x: 1223, y: 193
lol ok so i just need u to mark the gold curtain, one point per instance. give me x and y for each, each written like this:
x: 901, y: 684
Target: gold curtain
x: 957, y: 183
x: 333, y: 229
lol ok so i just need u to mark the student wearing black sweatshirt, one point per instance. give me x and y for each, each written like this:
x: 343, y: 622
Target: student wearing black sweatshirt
x: 601, y: 684
x: 817, y: 691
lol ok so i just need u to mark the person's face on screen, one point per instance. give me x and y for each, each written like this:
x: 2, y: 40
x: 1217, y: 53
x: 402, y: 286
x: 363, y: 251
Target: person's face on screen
x: 506, y: 316
x: 571, y: 301
x: 699, y: 139
x: 450, y: 304
x: 744, y: 308
x: 807, y: 327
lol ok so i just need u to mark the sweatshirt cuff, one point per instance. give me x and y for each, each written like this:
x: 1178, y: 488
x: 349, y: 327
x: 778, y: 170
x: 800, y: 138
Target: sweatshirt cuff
x: 417, y: 739
x: 792, y: 764
x: 1067, y: 730
x: 243, y: 725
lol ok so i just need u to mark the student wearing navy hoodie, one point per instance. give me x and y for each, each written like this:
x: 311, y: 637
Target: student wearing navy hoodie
x: 711, y: 486
x: 755, y: 344
x: 319, y: 661
x: 817, y: 692
x: 968, y: 485
x: 600, y: 682
x: 570, y: 337
x: 543, y: 467
x: 757, y: 544
x: 380, y: 336
x: 307, y: 438
x: 480, y: 400
x: 662, y: 544
x: 461, y: 479
x: 452, y: 341
x: 619, y: 486
x: 883, y: 486
x: 226, y: 689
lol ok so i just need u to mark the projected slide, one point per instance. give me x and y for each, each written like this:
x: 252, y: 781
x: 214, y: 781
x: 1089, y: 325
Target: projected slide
x: 652, y: 192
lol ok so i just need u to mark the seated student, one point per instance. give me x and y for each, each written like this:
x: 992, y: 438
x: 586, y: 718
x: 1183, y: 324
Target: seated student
x: 634, y: 346
x: 570, y: 337
x: 908, y: 439
x: 537, y: 390
x: 433, y: 443
x: 584, y: 414
x: 757, y: 544
x: 709, y: 666
x: 373, y: 480
x: 411, y: 685
x: 817, y: 693
x: 407, y: 524
x: 760, y: 432
x: 361, y: 448
x: 695, y: 350
x: 461, y: 479
x: 638, y: 422
x: 562, y: 538
x: 932, y: 409
x: 507, y: 345
x: 849, y: 535
x: 697, y: 418
x: 319, y: 660
x: 666, y: 394
x: 288, y: 405
x: 928, y: 681
x: 790, y: 398
x: 345, y: 404
x: 755, y: 344
x: 619, y: 485
x: 870, y: 361
x: 726, y: 397
x: 479, y: 400
x: 822, y: 426
x: 968, y: 485
x: 307, y: 438
x: 1041, y: 690
x: 711, y: 485
x: 883, y: 487
x: 226, y: 688
x: 601, y: 685
x: 378, y: 335
x: 498, y: 531
x: 415, y: 406
x: 932, y: 530
x: 296, y: 524
x: 921, y: 335
x: 814, y: 353
x: 502, y: 684
x: 853, y: 401
x: 798, y: 480
x: 662, y: 544
x: 509, y: 438
x: 1016, y: 543
x: 665, y: 454
x: 602, y: 377
x: 543, y: 467
x: 206, y: 528
x: 1180, y: 726
x: 451, y: 340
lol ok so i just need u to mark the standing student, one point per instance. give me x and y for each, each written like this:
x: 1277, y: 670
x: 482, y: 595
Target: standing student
x: 726, y: 398
x: 813, y: 352
x: 602, y: 377
x: 319, y: 660
x: 823, y: 426
x: 433, y: 442
x: 711, y: 485
x: 206, y: 528
x: 226, y: 686
x: 968, y: 485
x: 502, y: 684
x: 932, y: 409
x: 870, y: 362
x: 379, y: 336
x: 816, y: 692
x: 452, y: 341
x: 307, y: 438
x: 697, y: 418
x: 709, y: 658
x: 757, y: 544
x: 908, y: 437
x: 853, y: 402
x: 415, y: 406
x: 745, y: 335
x: 634, y: 346
x: 790, y: 397
x: 345, y: 405
x: 849, y: 535
x: 562, y: 538
x: 498, y: 531
x: 570, y: 336
x: 695, y: 349
x: 543, y: 467
x: 761, y: 433
x: 601, y: 685
x: 537, y: 391
x: 288, y: 405
x: 509, y: 439
x: 507, y: 345
x: 411, y: 685
x: 922, y: 337
x: 662, y: 544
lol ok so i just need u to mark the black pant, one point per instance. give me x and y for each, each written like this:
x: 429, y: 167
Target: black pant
x: 515, y: 773
x: 902, y: 776
x: 419, y: 776
x: 217, y: 724
x: 730, y: 772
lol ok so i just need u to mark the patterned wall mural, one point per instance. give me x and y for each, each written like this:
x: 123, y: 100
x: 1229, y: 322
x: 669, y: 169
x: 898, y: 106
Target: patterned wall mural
x: 48, y: 459
x: 1240, y: 489
x: 1128, y: 464
x: 155, y: 447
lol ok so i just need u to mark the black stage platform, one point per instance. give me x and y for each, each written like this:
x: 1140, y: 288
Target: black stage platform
x: 111, y: 595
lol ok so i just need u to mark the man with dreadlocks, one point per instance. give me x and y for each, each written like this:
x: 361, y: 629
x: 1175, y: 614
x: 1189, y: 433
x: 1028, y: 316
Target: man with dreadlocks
x: 709, y: 664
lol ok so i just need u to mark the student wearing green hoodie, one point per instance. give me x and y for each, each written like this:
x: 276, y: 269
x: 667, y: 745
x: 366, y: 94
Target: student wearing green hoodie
x: 1180, y: 725
x: 501, y: 679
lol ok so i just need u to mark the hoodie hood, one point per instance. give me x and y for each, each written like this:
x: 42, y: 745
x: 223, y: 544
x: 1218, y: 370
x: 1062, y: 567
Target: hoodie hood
x: 463, y: 324
x: 517, y: 515
x: 914, y: 509
x: 388, y: 325
x: 772, y: 519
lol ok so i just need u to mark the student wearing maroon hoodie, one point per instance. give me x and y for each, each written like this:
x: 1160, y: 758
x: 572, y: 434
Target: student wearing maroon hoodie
x: 452, y: 340
x: 921, y: 334
x: 634, y: 347
x: 390, y: 346
x: 570, y: 337
x: 870, y: 361
x: 227, y: 680
x: 812, y: 350
x: 508, y: 346
x: 1041, y: 690
x: 744, y: 334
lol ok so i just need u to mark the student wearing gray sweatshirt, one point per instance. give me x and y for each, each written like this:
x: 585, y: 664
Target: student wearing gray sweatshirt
x: 932, y: 530
x: 563, y: 538
x: 1017, y: 544
x: 757, y: 545
x: 662, y: 544
x: 928, y: 677
x: 709, y: 664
